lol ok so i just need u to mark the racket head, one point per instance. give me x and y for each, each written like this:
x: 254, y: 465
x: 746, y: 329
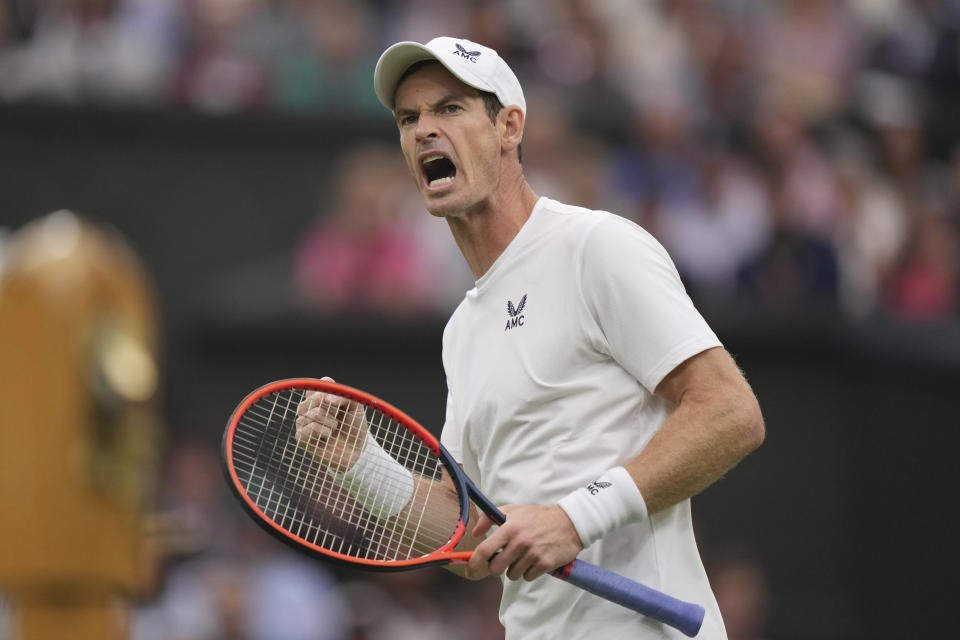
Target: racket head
x: 293, y: 496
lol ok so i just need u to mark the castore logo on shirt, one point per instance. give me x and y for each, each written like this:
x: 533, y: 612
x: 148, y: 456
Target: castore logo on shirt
x: 515, y: 320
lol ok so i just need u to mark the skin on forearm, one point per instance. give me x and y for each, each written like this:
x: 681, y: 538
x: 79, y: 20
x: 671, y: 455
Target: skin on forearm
x: 716, y: 423
x: 425, y: 523
x: 335, y: 432
x: 444, y: 509
x: 429, y: 519
x: 467, y: 543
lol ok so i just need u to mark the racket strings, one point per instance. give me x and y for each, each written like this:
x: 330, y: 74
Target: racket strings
x: 308, y: 503
x: 293, y: 481
x: 302, y: 499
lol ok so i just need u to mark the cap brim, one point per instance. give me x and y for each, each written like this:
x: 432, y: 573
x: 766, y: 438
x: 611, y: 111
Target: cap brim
x: 391, y: 66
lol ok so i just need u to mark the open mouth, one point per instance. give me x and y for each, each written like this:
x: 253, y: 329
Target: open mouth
x: 438, y: 170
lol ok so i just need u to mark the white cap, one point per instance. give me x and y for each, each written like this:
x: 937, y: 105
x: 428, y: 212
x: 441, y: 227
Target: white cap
x: 474, y: 64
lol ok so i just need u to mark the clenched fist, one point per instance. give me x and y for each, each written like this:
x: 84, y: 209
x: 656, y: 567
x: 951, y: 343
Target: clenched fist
x: 333, y: 429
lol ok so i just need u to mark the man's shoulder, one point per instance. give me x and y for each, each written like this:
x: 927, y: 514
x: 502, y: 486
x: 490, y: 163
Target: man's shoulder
x: 571, y: 220
x: 595, y: 225
x: 575, y: 212
x: 457, y: 312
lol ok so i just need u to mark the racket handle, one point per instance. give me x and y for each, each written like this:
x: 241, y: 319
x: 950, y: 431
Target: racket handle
x: 685, y: 616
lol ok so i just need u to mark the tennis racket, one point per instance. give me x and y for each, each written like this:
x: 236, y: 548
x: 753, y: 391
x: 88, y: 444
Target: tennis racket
x: 342, y: 475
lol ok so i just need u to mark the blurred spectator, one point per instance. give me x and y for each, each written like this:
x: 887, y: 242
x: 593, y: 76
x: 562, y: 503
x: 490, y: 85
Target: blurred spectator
x: 489, y: 22
x: 326, y: 64
x: 808, y: 51
x: 419, y: 20
x: 796, y: 270
x: 424, y: 605
x: 88, y: 50
x: 651, y: 55
x: 545, y: 139
x: 713, y: 235
x: 903, y: 34
x: 272, y: 594
x: 730, y: 79
x: 924, y: 285
x: 743, y: 594
x: 219, y: 71
x: 562, y: 161
x: 797, y: 169
x: 570, y: 51
x: 871, y: 232
x: 372, y: 251
x: 194, y: 501
x: 658, y: 169
x: 896, y: 122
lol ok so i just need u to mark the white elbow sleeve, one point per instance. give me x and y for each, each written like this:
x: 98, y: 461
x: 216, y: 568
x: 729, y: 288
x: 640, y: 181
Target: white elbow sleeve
x: 380, y: 484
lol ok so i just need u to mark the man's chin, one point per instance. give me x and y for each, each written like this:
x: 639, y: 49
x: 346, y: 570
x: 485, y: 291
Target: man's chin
x: 441, y: 206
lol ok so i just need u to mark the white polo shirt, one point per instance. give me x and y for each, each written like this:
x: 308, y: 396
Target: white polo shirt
x: 551, y: 361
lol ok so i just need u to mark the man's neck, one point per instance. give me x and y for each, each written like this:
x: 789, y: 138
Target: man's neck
x: 484, y: 232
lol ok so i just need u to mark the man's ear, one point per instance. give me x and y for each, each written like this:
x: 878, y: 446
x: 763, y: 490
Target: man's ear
x: 510, y: 124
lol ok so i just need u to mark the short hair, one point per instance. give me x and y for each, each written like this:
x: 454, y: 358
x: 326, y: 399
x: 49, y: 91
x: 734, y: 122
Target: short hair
x: 491, y: 103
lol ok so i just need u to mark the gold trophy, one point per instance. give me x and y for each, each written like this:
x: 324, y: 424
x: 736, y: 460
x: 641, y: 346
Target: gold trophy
x: 78, y: 429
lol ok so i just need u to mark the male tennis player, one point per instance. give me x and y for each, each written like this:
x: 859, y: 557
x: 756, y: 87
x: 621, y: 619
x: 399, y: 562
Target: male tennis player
x: 582, y: 381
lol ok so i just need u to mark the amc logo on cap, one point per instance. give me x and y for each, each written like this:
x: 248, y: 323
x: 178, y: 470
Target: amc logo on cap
x: 463, y: 53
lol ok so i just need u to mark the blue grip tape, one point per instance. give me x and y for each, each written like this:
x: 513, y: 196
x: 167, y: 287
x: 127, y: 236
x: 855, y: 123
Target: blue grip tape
x: 685, y: 616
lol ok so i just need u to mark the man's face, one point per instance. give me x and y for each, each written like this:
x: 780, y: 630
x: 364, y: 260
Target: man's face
x: 451, y: 147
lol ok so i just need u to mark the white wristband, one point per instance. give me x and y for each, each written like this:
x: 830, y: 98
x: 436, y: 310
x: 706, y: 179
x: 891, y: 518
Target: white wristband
x: 380, y: 484
x: 609, y: 502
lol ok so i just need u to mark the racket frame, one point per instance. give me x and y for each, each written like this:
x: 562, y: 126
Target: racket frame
x: 439, y: 557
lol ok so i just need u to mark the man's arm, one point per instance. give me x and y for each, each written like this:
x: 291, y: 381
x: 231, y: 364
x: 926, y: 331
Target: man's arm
x: 422, y: 511
x: 716, y: 421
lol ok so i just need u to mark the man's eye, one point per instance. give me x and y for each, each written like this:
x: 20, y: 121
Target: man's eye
x: 451, y: 108
x: 405, y: 120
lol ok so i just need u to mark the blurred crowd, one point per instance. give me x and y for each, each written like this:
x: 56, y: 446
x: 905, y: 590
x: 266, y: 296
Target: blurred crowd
x: 788, y: 153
